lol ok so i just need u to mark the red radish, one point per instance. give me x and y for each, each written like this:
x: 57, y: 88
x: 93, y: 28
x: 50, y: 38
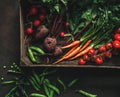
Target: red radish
x: 117, y: 36
x: 29, y: 30
x: 36, y: 23
x: 101, y: 49
x: 108, y: 54
x: 41, y: 17
x: 33, y: 10
x: 62, y: 34
x: 66, y: 24
x: 85, y: 57
x: 81, y: 62
x: 91, y: 52
x: 108, y: 45
x: 98, y: 60
x: 116, y: 44
x: 118, y: 30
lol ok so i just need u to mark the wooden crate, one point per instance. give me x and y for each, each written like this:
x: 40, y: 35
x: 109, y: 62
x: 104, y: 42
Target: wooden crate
x: 25, y: 61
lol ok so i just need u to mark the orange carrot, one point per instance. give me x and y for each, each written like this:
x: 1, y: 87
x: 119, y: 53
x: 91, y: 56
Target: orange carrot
x: 82, y: 52
x: 71, y: 50
x: 85, y: 45
x: 73, y: 53
x: 71, y: 44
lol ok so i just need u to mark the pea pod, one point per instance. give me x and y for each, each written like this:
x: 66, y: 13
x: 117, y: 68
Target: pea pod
x: 31, y: 56
x: 72, y: 82
x: 37, y: 49
x: 37, y: 95
x: 8, y: 82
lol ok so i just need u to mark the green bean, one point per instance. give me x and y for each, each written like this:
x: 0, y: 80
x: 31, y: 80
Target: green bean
x: 23, y: 91
x: 8, y: 82
x: 61, y: 82
x: 86, y: 93
x: 37, y: 95
x: 31, y: 56
x: 72, y: 82
x: 37, y: 49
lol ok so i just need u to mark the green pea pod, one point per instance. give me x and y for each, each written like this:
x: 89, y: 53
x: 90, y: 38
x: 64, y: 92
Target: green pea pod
x: 31, y: 56
x: 37, y: 95
x: 37, y: 49
x: 72, y: 82
x: 46, y: 89
x: 33, y: 85
x: 8, y: 82
x: 51, y: 93
x: 53, y: 87
x: 62, y: 83
x: 36, y: 77
x: 86, y: 94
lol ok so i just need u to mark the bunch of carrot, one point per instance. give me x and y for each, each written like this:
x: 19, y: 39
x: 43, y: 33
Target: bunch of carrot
x: 80, y: 47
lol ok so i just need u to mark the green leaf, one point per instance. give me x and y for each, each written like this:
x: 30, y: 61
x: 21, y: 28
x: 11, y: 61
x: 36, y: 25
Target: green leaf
x: 57, y: 7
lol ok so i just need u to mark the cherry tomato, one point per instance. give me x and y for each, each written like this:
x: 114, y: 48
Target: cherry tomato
x: 116, y: 44
x: 91, y: 52
x: 33, y: 10
x: 101, y: 49
x: 29, y: 30
x: 81, y: 62
x: 117, y: 36
x: 98, y: 60
x: 108, y: 54
x: 41, y: 17
x: 108, y: 45
x: 85, y: 57
x: 36, y: 23
x: 118, y: 30
x: 62, y: 34
x: 66, y: 24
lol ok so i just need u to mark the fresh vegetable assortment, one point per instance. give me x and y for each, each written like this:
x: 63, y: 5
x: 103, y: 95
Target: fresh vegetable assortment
x: 57, y: 31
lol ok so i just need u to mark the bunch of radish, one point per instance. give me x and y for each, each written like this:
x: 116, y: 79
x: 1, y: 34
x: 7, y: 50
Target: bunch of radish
x: 104, y: 51
x: 35, y: 18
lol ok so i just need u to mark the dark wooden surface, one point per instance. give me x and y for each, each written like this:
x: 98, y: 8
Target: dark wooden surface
x: 103, y: 82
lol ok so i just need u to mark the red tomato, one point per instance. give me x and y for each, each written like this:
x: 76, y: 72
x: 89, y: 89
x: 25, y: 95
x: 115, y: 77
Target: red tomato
x: 29, y: 30
x: 117, y: 36
x: 118, y: 30
x: 98, y: 60
x: 108, y: 54
x: 101, y: 49
x: 108, y: 45
x: 81, y: 62
x: 85, y: 57
x: 33, y: 10
x: 91, y: 52
x: 62, y: 34
x: 116, y: 44
x: 36, y: 23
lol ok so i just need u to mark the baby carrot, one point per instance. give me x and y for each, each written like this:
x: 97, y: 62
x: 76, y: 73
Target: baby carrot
x: 71, y: 44
x: 85, y: 45
x: 82, y: 52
